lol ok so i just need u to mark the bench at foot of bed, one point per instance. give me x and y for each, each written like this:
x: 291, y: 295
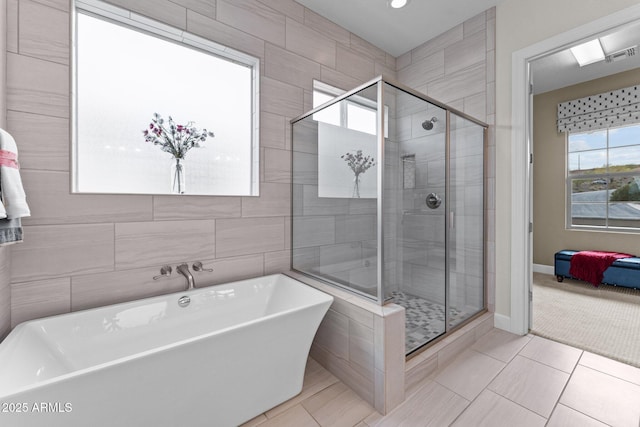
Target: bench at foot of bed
x: 623, y: 272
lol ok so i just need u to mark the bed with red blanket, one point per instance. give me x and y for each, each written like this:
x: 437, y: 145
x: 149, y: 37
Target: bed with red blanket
x: 596, y: 267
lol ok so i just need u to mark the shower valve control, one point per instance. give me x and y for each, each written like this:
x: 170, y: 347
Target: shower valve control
x: 433, y: 201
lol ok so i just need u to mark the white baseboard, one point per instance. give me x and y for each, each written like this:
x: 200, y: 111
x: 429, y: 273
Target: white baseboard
x: 501, y: 321
x: 545, y: 269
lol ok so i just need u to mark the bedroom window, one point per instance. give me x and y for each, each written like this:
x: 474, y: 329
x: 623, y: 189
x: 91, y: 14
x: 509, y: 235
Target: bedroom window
x: 603, y: 178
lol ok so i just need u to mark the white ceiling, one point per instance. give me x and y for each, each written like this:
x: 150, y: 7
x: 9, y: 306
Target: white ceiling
x: 397, y: 31
x: 561, y: 69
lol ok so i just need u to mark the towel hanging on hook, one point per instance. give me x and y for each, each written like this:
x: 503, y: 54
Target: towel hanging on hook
x: 13, y: 200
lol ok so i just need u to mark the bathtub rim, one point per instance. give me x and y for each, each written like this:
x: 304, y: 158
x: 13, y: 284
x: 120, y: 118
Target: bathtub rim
x: 326, y: 299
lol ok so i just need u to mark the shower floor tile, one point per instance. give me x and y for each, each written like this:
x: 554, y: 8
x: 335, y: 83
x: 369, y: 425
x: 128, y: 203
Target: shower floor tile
x: 424, y: 319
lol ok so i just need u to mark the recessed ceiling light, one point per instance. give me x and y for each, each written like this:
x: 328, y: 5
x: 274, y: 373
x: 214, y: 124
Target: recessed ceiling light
x: 588, y: 53
x: 397, y: 4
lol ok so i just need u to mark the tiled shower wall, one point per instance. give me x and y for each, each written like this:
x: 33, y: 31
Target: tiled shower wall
x: 5, y: 290
x: 84, y: 250
x: 458, y: 68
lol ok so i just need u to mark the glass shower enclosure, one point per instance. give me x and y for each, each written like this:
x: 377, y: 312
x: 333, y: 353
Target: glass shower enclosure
x: 388, y: 203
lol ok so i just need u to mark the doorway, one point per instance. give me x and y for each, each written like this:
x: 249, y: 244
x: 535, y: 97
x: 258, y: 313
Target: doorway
x: 522, y: 130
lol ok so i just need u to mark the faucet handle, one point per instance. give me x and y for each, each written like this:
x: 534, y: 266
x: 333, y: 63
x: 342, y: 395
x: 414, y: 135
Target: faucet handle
x: 197, y: 266
x: 165, y: 271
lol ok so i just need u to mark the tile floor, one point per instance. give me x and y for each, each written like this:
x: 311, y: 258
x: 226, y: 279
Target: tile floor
x: 424, y: 319
x: 502, y: 380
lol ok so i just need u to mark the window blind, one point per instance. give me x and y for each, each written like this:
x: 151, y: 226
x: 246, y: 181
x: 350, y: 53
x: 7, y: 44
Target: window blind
x: 613, y: 108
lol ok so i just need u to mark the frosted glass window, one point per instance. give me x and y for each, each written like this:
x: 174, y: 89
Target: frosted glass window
x: 125, y: 73
x: 356, y: 112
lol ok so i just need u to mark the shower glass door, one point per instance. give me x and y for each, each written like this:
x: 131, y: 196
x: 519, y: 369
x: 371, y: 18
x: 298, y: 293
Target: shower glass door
x: 415, y: 213
x: 466, y: 219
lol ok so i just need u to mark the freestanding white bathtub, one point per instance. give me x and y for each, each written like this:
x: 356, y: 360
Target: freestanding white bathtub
x: 235, y: 351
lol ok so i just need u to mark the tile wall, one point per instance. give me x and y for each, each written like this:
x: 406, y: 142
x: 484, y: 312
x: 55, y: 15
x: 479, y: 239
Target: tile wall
x: 88, y: 250
x: 82, y: 251
x: 362, y: 344
x: 5, y: 290
x: 458, y: 68
x: 85, y: 250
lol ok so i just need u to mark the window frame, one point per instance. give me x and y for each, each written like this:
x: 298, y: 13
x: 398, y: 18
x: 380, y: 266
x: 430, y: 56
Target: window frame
x: 136, y: 22
x: 607, y: 176
x: 356, y: 101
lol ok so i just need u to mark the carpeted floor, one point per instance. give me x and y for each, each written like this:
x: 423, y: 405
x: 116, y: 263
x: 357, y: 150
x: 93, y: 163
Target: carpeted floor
x: 603, y: 320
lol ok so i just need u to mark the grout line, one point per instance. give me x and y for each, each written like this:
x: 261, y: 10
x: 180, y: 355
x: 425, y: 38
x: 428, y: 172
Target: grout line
x: 565, y: 386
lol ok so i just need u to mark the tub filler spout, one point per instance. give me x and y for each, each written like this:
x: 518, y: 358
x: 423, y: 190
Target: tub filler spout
x: 184, y: 270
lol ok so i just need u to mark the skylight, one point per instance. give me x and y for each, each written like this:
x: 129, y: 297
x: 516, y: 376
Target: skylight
x: 588, y: 53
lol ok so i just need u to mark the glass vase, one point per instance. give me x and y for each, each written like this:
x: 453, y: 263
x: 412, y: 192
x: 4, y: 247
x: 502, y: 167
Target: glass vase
x: 356, y: 187
x: 177, y: 176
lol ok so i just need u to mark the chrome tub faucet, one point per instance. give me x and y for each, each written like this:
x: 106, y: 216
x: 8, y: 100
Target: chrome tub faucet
x: 184, y: 270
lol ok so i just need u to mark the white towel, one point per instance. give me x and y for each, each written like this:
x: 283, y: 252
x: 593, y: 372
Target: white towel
x: 13, y: 197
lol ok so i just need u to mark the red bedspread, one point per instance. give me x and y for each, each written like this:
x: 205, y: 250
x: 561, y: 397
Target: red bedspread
x: 590, y: 265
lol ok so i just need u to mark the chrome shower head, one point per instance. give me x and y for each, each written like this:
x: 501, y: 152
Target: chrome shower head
x: 428, y: 124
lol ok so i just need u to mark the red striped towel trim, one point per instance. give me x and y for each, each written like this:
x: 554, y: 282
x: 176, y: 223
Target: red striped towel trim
x: 9, y: 159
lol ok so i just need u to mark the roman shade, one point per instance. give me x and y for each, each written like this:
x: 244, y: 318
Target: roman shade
x: 614, y: 108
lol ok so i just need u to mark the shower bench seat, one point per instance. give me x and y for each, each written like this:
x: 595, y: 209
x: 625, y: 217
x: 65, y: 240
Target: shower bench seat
x: 623, y: 272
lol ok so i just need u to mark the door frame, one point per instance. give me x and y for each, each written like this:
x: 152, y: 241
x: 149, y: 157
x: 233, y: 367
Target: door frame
x: 521, y: 149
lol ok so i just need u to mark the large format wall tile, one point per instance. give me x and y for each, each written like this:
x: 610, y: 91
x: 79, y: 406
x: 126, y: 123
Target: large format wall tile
x: 288, y: 67
x: 272, y: 130
x: 277, y: 262
x: 277, y: 165
x: 51, y: 203
x: 274, y: 200
x: 339, y: 79
x: 281, y: 98
x: 475, y: 24
x: 224, y: 34
x: 465, y: 53
x: 254, y: 18
x: 205, y: 7
x: 314, y: 231
x: 290, y: 8
x: 32, y: 300
x: 12, y: 26
x: 248, y: 245
x: 230, y: 270
x: 62, y: 250
x: 309, y: 43
x: 37, y: 86
x: 5, y: 293
x: 248, y: 236
x: 58, y: 4
x: 333, y: 334
x: 43, y: 32
x: 95, y: 290
x: 354, y: 64
x: 195, y: 207
x: 326, y: 27
x: 165, y: 11
x: 36, y: 152
x: 361, y: 348
x: 440, y: 42
x: 463, y: 83
x: 143, y: 244
x: 424, y: 70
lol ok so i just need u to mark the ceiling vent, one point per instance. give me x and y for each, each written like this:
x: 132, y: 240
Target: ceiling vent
x: 621, y: 54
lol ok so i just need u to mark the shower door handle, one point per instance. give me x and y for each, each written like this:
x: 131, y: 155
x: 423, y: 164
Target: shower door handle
x: 433, y: 201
